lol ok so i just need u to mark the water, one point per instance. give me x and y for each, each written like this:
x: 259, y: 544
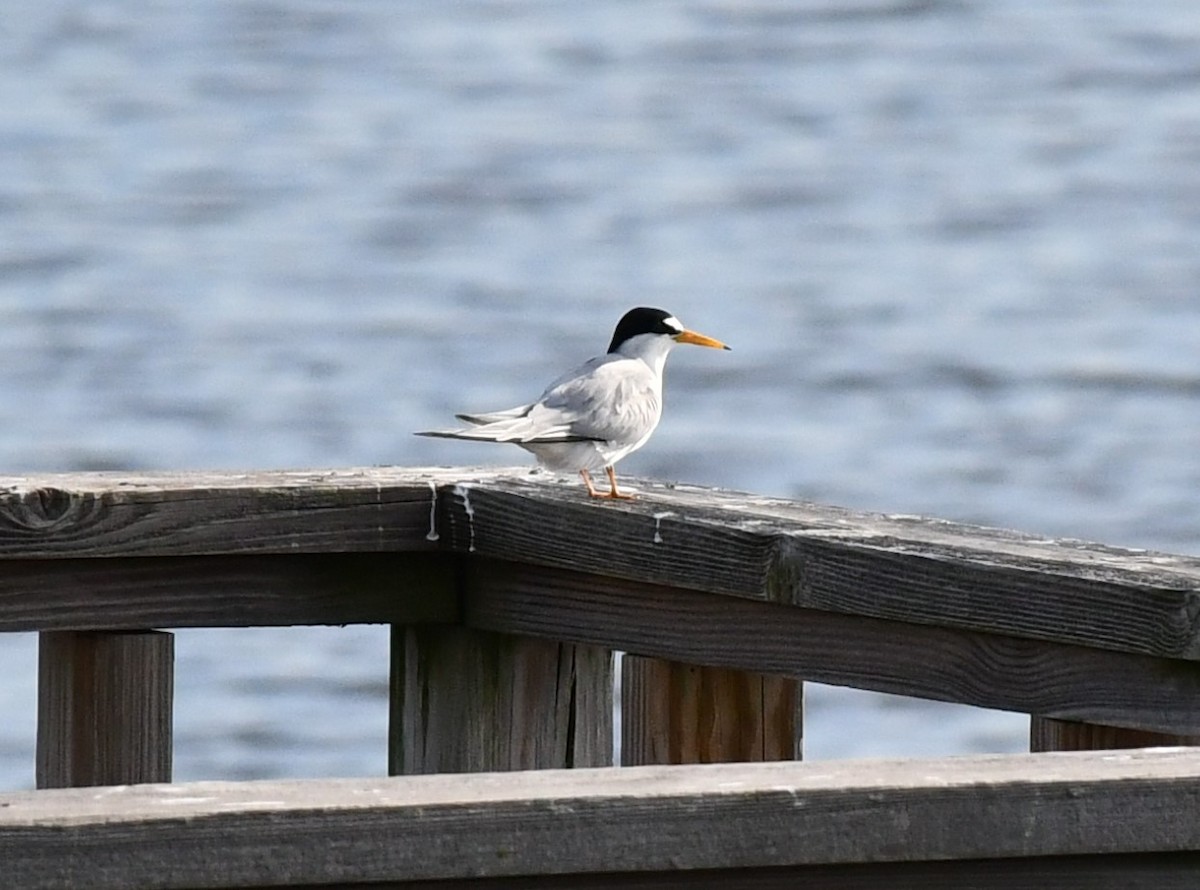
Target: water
x: 954, y: 248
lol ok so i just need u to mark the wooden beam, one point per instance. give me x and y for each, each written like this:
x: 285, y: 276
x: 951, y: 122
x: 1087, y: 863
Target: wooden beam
x: 987, y: 670
x: 470, y: 701
x: 1047, y: 734
x: 225, y: 591
x: 894, y: 568
x: 897, y: 568
x: 615, y: 821
x: 376, y: 509
x: 104, y: 708
x: 684, y: 713
x: 1166, y: 871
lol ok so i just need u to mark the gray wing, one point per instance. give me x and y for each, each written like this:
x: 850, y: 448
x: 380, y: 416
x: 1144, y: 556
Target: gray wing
x: 505, y: 426
x: 611, y: 398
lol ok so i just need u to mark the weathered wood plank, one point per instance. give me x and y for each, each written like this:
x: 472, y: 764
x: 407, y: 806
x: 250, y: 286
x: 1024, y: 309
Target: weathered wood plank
x: 685, y: 713
x: 172, y: 514
x: 469, y: 701
x: 1144, y: 871
x: 1047, y: 734
x: 655, y: 539
x: 226, y: 591
x: 636, y: 819
x: 988, y: 670
x: 104, y: 708
x: 906, y: 569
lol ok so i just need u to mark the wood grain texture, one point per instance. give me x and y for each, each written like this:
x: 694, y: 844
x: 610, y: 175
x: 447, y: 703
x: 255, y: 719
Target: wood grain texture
x: 631, y: 820
x: 469, y: 701
x: 909, y: 569
x: 1047, y: 734
x: 1146, y: 871
x: 988, y: 670
x: 104, y: 708
x: 175, y: 514
x: 673, y: 712
x: 905, y: 569
x: 225, y: 591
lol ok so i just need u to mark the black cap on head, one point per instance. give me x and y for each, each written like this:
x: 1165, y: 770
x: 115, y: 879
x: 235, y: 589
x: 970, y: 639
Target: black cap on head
x: 644, y: 321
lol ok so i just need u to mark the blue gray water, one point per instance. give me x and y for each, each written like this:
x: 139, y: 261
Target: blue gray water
x: 954, y: 247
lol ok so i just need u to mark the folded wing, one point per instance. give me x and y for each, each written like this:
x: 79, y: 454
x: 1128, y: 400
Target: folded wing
x: 610, y: 399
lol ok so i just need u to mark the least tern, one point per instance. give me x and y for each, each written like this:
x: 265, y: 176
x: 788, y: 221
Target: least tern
x: 593, y: 416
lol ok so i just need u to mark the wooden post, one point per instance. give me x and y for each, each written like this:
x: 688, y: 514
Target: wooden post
x: 1048, y: 734
x: 470, y: 701
x: 104, y: 708
x: 683, y: 713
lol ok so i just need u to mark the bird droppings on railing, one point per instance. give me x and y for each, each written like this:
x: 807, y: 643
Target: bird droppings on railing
x: 380, y: 532
x: 462, y: 492
x: 433, y: 499
x: 658, y: 518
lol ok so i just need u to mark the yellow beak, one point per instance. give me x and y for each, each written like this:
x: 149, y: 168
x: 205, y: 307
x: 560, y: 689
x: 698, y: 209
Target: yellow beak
x: 699, y: 340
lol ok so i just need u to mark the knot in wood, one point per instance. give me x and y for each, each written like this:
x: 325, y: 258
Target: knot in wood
x: 43, y: 507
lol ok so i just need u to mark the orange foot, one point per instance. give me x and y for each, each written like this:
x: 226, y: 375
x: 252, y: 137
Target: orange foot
x: 612, y: 485
x: 613, y: 493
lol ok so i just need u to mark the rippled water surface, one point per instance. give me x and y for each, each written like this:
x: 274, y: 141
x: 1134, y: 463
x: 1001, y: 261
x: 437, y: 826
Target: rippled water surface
x: 953, y: 246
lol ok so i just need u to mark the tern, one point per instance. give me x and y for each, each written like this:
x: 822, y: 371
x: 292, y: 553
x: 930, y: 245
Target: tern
x: 593, y: 416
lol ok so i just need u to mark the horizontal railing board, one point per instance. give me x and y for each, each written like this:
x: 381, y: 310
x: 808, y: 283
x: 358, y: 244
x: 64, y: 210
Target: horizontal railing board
x: 1160, y: 871
x: 1040, y: 601
x: 920, y: 571
x: 703, y: 545
x: 176, y: 514
x: 638, y: 819
x: 905, y: 569
x: 987, y: 670
x: 226, y: 591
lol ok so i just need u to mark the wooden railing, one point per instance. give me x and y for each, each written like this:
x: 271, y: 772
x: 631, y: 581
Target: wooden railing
x: 507, y: 594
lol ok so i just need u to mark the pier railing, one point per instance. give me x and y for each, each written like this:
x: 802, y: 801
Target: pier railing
x: 507, y: 595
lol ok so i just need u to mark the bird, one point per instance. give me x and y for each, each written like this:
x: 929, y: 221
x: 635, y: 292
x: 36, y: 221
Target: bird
x: 594, y: 415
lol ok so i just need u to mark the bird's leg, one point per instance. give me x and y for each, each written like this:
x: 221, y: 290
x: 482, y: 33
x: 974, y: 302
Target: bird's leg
x: 612, y: 484
x: 591, y: 489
